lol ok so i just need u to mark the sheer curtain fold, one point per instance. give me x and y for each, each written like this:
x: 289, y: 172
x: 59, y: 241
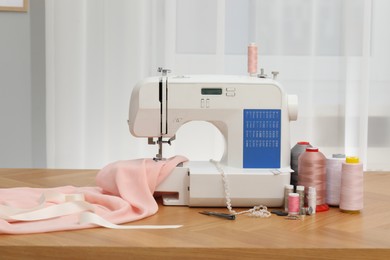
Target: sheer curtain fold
x: 97, y: 51
x: 333, y: 54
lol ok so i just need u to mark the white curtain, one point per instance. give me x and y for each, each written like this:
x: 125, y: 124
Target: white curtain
x: 333, y: 54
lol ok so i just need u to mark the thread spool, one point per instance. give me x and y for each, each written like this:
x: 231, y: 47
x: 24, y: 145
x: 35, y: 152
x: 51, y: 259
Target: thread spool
x: 351, y: 194
x: 333, y: 179
x: 293, y: 204
x: 287, y: 190
x: 296, y: 151
x: 301, y: 193
x: 312, y: 201
x: 252, y: 59
x: 312, y: 173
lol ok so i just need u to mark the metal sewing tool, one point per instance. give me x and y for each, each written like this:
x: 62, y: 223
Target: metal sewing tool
x: 218, y: 214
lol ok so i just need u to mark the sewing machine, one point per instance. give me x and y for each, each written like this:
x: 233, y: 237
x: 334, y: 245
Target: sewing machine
x: 253, y: 115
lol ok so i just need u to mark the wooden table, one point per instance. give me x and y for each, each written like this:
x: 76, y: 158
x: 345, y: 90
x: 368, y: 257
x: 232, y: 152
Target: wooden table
x: 327, y: 235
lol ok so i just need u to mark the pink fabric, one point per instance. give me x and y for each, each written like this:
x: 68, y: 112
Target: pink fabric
x: 124, y: 193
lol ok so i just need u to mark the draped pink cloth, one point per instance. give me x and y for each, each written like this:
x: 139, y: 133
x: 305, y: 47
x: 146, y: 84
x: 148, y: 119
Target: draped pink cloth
x: 124, y: 193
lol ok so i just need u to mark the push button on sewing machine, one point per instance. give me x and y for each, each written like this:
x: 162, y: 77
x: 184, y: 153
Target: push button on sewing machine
x: 230, y: 92
x: 202, y: 103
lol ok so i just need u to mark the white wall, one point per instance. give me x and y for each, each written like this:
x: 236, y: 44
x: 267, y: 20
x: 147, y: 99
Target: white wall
x: 22, y: 87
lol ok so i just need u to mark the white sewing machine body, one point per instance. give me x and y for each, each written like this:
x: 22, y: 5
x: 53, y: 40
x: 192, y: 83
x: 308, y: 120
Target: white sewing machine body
x: 253, y: 115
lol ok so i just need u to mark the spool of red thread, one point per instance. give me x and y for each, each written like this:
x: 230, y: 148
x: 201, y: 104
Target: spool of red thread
x: 312, y: 173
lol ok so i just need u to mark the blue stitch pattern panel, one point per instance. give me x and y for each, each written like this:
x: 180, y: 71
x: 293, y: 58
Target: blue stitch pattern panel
x: 261, y: 147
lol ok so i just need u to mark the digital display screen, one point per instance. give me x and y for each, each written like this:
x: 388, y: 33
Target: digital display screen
x: 211, y: 91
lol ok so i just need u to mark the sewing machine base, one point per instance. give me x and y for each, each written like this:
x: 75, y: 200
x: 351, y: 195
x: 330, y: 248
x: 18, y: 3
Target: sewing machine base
x: 200, y: 184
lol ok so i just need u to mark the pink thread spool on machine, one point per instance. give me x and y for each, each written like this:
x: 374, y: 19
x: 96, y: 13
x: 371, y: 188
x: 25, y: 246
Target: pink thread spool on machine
x: 252, y: 59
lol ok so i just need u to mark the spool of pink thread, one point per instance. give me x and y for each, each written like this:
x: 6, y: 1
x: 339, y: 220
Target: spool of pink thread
x: 351, y: 193
x: 293, y: 204
x: 252, y: 59
x: 312, y: 173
